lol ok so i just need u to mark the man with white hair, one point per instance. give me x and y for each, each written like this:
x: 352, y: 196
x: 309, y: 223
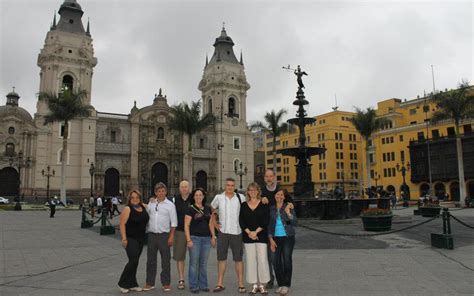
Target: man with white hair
x: 181, y: 201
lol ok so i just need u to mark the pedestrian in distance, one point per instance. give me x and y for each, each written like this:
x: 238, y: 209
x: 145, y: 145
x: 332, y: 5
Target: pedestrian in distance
x: 115, y: 203
x: 133, y: 221
x: 52, y: 206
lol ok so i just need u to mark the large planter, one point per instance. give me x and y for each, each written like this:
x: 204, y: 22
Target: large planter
x: 430, y: 212
x: 377, y: 223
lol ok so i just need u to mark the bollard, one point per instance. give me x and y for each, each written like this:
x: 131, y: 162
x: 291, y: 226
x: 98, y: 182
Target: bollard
x: 444, y: 240
x: 85, y: 223
x: 104, y: 228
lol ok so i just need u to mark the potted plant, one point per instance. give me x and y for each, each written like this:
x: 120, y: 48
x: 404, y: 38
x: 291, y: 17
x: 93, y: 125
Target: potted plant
x: 376, y: 219
x: 430, y: 207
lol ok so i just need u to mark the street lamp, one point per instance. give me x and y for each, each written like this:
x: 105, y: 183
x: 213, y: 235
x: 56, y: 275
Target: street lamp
x: 376, y: 178
x: 92, y: 172
x: 21, y: 163
x: 241, y: 171
x: 402, y: 168
x: 48, y: 174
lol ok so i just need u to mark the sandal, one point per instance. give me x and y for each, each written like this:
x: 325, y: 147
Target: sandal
x: 242, y: 290
x: 181, y: 285
x: 218, y: 288
x: 262, y: 289
x: 254, y: 290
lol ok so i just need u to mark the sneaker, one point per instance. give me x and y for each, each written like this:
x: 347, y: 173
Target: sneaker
x: 136, y: 289
x: 204, y: 290
x: 278, y: 290
x: 123, y: 290
x: 148, y: 287
x: 167, y: 288
x: 194, y: 291
x: 284, y: 291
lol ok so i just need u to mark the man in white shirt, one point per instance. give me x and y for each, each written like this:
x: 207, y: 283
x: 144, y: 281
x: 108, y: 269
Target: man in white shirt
x: 99, y: 204
x: 227, y: 204
x: 160, y: 228
x: 115, y: 203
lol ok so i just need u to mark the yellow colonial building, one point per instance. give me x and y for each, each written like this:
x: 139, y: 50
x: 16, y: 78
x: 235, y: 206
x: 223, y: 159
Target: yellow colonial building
x: 407, y: 124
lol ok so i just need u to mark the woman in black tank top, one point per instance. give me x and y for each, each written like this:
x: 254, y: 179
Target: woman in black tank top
x: 133, y: 221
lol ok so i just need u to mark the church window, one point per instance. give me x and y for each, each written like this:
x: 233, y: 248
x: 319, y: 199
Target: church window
x: 236, y: 143
x: 71, y: 21
x: 113, y: 136
x: 160, y: 133
x: 201, y: 143
x: 209, y: 106
x: 70, y: 51
x: 67, y: 83
x: 232, y: 108
x: 10, y: 149
x: 11, y: 130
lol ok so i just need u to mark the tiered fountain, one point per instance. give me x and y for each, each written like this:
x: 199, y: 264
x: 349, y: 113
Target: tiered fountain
x: 303, y: 188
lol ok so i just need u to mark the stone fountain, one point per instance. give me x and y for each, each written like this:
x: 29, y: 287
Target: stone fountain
x: 303, y: 188
x: 306, y: 204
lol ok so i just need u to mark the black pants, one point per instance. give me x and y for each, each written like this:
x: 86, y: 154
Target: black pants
x: 128, y: 279
x: 283, y: 261
x: 53, y: 211
x: 270, y: 261
x: 115, y: 209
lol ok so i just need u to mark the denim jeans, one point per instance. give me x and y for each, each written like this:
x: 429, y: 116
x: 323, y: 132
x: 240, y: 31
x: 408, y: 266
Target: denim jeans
x: 283, y: 261
x: 198, y: 256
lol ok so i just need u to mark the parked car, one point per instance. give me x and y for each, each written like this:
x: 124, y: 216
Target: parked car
x: 4, y: 201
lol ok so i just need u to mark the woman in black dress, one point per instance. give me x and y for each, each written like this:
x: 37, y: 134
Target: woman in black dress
x: 133, y: 221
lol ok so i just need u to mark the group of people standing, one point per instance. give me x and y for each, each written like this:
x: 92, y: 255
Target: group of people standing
x: 99, y: 204
x: 262, y: 223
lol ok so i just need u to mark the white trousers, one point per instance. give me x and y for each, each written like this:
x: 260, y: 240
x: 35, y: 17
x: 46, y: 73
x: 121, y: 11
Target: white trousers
x: 256, y: 263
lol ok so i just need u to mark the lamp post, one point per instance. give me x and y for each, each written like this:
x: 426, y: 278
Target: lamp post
x: 403, y: 169
x: 376, y: 178
x: 48, y: 174
x: 92, y: 172
x: 21, y: 163
x: 241, y: 171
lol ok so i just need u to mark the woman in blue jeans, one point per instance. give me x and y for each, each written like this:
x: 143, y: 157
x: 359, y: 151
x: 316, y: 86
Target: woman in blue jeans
x: 200, y: 235
x: 281, y: 233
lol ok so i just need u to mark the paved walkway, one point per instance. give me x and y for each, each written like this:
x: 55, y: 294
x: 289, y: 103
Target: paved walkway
x: 43, y: 256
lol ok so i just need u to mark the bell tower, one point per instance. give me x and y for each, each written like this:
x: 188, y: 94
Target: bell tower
x: 66, y: 61
x: 224, y: 89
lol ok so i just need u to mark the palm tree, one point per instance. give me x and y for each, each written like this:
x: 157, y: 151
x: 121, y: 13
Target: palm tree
x: 272, y: 124
x: 64, y: 107
x: 457, y: 105
x: 367, y: 123
x: 186, y: 118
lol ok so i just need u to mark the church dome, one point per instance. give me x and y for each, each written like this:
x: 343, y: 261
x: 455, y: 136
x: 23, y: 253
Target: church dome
x: 70, y: 4
x: 22, y: 114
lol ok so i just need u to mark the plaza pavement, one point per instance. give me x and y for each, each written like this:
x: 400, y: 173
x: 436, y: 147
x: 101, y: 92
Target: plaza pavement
x: 43, y: 256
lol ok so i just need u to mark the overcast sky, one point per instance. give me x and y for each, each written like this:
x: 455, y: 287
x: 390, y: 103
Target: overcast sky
x: 361, y: 51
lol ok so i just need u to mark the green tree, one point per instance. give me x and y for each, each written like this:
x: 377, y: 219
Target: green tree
x: 367, y: 123
x: 456, y: 105
x: 186, y: 118
x: 272, y: 125
x: 63, y: 108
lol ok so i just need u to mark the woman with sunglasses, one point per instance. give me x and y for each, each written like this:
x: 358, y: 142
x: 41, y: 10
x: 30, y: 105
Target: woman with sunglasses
x: 133, y: 221
x: 200, y: 235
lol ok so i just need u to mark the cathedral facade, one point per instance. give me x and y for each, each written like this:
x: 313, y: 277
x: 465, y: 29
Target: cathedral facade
x: 111, y: 153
